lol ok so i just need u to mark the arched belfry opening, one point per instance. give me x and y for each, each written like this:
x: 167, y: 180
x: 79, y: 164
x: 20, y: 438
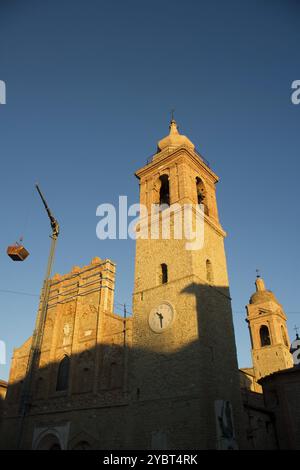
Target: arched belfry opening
x: 164, y: 192
x: 201, y: 194
x: 264, y: 334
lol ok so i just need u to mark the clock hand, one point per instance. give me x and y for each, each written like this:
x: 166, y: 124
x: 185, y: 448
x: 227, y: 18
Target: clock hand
x: 161, y: 317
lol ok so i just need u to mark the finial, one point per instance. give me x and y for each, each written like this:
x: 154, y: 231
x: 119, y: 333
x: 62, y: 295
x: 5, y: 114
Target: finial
x: 173, y: 124
x: 296, y: 328
x: 259, y: 282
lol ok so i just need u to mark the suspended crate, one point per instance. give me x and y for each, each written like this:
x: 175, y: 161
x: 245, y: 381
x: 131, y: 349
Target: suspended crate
x: 17, y: 252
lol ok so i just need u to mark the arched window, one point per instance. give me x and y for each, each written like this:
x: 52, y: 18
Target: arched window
x: 201, y: 194
x: 284, y: 337
x: 264, y: 336
x: 209, y: 272
x: 63, y: 375
x: 164, y: 192
x: 164, y: 273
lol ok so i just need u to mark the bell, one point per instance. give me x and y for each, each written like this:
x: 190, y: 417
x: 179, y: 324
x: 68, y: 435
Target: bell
x: 17, y: 252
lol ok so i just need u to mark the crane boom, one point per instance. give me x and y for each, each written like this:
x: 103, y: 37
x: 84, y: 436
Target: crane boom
x: 53, y: 221
x: 37, y: 337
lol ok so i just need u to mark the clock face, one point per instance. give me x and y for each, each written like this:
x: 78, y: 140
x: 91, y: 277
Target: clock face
x: 161, y: 317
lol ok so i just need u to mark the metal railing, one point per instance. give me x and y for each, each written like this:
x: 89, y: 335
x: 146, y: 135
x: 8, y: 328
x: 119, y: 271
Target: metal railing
x: 202, y: 158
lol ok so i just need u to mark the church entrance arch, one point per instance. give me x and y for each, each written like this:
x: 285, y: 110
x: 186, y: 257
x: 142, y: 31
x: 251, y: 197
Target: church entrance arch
x: 49, y: 442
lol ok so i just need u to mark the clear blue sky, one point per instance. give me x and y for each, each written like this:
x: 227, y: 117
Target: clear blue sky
x: 89, y: 90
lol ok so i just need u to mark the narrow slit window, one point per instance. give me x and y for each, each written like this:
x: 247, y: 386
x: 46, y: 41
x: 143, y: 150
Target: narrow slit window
x: 164, y: 273
x: 209, y: 272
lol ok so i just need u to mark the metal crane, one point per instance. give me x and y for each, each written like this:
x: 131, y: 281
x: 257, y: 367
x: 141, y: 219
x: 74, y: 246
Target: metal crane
x: 37, y: 337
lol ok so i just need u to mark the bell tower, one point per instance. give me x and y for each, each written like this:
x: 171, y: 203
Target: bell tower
x: 268, y: 332
x: 183, y: 349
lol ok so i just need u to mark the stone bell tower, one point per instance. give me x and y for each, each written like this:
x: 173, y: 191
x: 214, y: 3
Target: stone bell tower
x: 184, y: 363
x: 268, y: 331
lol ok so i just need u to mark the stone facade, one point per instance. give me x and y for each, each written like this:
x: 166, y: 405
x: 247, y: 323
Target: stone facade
x: 260, y: 423
x: 281, y: 396
x: 261, y: 433
x: 82, y: 332
x: 3, y: 389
